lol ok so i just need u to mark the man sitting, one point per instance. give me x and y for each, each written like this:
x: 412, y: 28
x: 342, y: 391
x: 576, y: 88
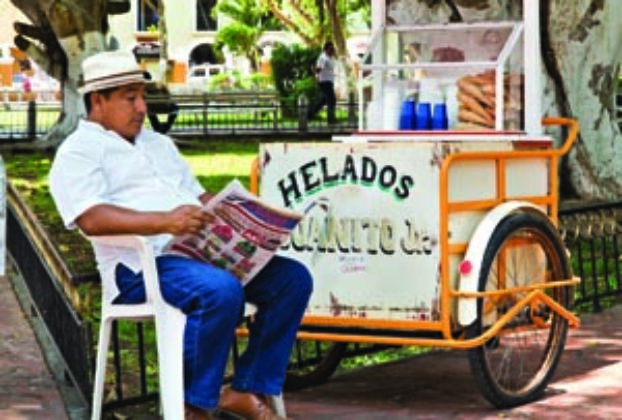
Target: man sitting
x: 113, y: 176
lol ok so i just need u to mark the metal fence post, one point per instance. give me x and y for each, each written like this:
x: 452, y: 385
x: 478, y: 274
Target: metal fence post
x: 205, y: 114
x: 275, y: 115
x: 302, y: 113
x: 31, y: 128
x: 352, y: 118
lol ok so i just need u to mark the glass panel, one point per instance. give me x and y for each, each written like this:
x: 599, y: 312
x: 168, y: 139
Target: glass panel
x: 205, y: 20
x: 454, y: 66
x: 147, y: 16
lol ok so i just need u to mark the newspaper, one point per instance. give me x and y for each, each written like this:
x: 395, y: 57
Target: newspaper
x: 242, y: 235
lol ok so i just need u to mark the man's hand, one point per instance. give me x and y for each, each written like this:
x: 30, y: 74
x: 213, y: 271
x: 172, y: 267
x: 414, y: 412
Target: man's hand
x: 187, y: 219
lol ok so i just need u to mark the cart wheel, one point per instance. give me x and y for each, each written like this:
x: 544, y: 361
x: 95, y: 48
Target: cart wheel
x: 515, y: 367
x: 312, y: 363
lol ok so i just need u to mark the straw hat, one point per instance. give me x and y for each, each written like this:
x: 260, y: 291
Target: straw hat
x: 111, y: 69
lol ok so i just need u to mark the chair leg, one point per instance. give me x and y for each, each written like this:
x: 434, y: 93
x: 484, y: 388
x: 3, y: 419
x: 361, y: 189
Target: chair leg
x: 100, y: 368
x: 170, y: 334
x: 278, y: 403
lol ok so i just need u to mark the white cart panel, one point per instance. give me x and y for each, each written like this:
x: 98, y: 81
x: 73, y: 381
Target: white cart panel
x: 371, y: 239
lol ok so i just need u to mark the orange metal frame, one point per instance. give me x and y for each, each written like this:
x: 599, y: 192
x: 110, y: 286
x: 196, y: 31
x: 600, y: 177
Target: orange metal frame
x: 534, y: 291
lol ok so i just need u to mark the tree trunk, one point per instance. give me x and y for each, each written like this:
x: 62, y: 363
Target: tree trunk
x: 60, y: 35
x: 581, y: 50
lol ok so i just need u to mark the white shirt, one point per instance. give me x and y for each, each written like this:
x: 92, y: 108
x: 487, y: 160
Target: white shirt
x: 96, y: 166
x: 327, y: 68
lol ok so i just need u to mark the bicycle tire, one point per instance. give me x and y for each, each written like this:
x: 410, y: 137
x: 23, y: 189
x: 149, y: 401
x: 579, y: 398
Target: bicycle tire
x: 518, y: 377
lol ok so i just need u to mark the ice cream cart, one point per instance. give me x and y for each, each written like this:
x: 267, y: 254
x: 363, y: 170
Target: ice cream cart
x: 438, y: 230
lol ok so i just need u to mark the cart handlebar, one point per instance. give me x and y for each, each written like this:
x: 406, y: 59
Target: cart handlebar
x: 572, y: 135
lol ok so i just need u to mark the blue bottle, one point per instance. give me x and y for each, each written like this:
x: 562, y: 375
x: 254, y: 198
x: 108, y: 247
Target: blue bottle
x: 407, y: 115
x: 439, y: 117
x: 424, y: 116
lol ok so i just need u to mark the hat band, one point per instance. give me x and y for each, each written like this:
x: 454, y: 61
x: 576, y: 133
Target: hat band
x: 135, y: 76
x: 117, y: 76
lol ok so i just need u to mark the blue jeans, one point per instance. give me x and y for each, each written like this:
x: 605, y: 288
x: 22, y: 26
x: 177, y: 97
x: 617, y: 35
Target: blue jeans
x: 213, y: 301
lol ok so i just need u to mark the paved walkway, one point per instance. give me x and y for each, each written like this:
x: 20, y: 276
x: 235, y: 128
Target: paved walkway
x: 587, y: 384
x: 27, y: 388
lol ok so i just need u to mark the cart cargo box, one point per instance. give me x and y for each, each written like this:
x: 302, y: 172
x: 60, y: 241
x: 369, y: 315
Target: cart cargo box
x: 371, y: 235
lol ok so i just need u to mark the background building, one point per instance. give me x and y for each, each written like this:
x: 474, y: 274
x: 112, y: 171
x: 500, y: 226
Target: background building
x: 191, y: 32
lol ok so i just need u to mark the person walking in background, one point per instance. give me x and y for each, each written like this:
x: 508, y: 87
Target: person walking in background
x: 325, y: 70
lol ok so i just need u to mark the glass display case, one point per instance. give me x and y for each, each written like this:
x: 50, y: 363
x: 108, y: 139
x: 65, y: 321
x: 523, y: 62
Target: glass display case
x: 472, y: 74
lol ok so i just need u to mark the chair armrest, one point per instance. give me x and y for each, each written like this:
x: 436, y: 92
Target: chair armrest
x: 147, y: 259
x: 126, y: 241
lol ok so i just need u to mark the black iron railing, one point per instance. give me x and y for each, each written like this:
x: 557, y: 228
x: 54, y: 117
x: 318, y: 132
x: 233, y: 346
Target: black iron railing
x: 199, y: 116
x: 70, y: 334
x: 592, y: 236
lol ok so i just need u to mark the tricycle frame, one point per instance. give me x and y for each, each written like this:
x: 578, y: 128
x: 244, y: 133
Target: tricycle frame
x: 444, y: 332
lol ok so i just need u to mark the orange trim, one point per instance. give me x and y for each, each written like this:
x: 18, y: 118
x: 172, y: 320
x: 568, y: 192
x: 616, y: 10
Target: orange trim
x: 476, y: 205
x: 535, y: 286
x: 446, y: 207
x: 554, y: 177
x: 372, y: 323
x: 500, y: 181
x: 254, y: 182
x: 449, y: 342
x: 457, y: 248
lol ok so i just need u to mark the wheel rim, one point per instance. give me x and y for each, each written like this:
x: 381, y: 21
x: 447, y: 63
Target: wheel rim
x: 519, y: 358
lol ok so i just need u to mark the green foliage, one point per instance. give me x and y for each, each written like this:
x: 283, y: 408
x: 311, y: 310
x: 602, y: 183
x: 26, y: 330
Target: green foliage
x: 28, y: 175
x: 317, y: 21
x: 224, y: 81
x: 241, y: 39
x: 293, y: 72
x: 382, y: 356
x: 259, y: 81
x: 248, y: 22
x: 236, y: 81
x: 248, y: 12
x: 307, y: 86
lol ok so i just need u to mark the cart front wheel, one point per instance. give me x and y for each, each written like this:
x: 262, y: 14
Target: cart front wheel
x: 312, y: 363
x: 514, y: 367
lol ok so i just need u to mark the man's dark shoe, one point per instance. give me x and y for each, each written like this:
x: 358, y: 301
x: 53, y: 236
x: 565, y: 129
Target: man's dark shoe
x: 246, y: 405
x: 192, y: 412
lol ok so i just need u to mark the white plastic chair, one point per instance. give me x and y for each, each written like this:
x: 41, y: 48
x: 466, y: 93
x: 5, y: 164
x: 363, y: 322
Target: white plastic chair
x: 169, y: 324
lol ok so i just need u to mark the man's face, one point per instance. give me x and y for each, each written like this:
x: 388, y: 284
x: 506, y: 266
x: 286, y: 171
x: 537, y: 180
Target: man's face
x: 122, y: 111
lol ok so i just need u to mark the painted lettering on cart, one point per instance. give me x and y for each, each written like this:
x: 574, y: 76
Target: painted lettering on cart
x: 360, y: 235
x: 315, y: 175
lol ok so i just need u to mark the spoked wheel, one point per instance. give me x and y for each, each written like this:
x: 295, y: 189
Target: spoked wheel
x: 313, y: 363
x: 515, y: 366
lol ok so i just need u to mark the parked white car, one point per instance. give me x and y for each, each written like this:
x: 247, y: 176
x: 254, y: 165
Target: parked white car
x: 199, y: 75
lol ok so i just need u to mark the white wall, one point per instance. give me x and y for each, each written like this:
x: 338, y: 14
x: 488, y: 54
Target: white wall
x: 182, y: 36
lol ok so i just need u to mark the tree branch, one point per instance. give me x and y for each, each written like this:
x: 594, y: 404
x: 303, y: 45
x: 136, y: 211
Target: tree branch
x: 301, y: 11
x: 288, y: 22
x: 29, y: 31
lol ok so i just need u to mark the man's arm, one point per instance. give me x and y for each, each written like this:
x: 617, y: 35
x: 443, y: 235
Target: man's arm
x: 106, y: 219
